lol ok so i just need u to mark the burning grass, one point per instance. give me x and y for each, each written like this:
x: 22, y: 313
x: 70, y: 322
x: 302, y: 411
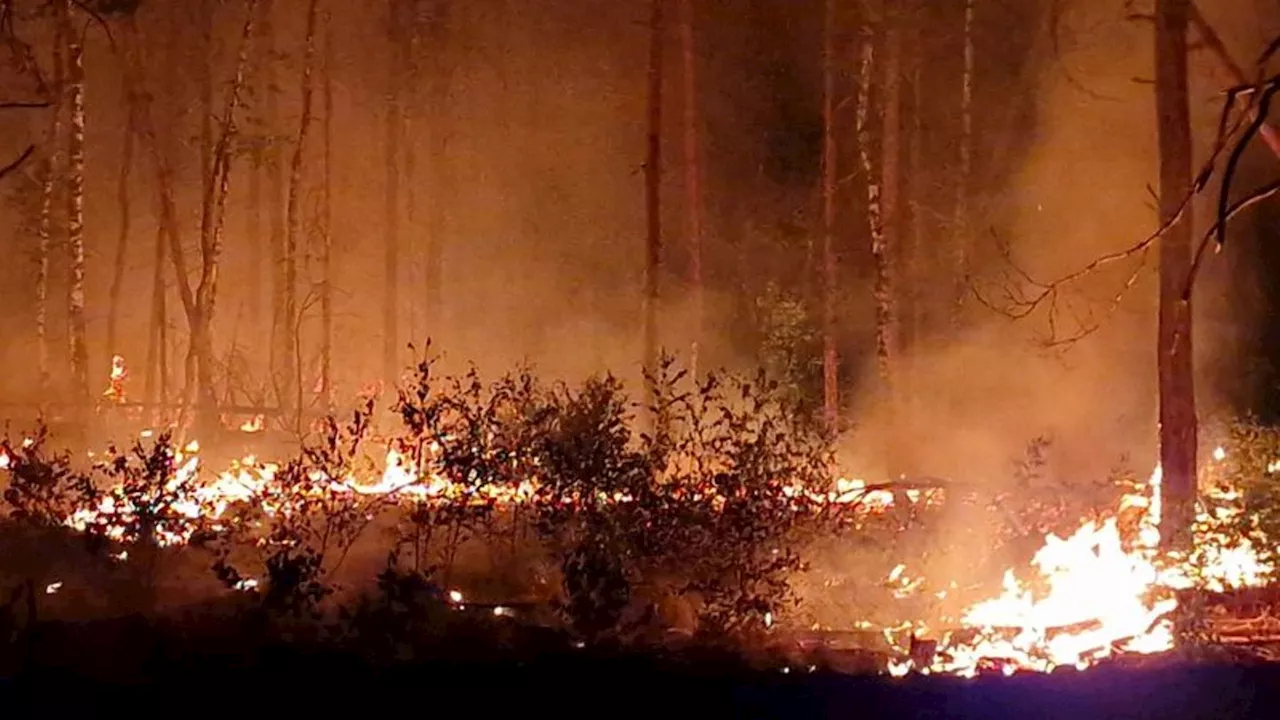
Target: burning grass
x: 514, y: 502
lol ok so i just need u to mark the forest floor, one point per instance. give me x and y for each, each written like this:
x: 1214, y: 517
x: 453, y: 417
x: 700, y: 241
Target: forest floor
x: 134, y: 665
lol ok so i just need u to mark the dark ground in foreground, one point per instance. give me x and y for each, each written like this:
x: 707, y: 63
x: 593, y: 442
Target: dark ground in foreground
x: 286, y: 682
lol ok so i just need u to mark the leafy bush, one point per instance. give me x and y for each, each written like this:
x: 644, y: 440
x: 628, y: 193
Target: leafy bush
x: 290, y: 538
x: 709, y: 504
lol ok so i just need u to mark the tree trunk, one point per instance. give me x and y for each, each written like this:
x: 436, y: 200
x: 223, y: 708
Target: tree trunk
x: 294, y: 212
x: 391, y: 248
x: 211, y: 231
x: 77, y: 330
x: 875, y: 207
x: 281, y: 347
x: 960, y: 220
x: 157, y: 360
x: 1177, y: 382
x: 326, y: 247
x: 126, y: 213
x: 692, y: 177
x: 53, y: 167
x: 206, y: 10
x: 653, y: 195
x: 886, y: 244
x: 253, y: 233
x: 168, y: 236
x: 830, y: 370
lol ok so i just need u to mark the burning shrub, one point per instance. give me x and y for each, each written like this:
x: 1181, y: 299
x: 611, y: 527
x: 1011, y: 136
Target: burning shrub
x: 466, y: 437
x: 298, y: 529
x: 594, y: 488
x: 1240, y: 491
x: 709, y: 505
x: 745, y: 468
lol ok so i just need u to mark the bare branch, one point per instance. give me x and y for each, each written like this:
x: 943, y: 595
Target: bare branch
x: 1235, y: 130
x: 1259, y: 115
x: 18, y: 162
x: 25, y: 105
x: 1215, y: 44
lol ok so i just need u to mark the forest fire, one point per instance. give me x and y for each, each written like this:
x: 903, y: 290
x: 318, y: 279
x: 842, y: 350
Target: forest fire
x: 1102, y: 594
x: 1103, y: 591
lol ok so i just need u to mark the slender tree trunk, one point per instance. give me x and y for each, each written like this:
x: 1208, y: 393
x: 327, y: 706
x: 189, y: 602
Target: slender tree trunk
x: 257, y: 256
x: 830, y: 359
x: 391, y: 249
x: 52, y: 169
x: 126, y: 218
x: 886, y: 245
x: 157, y: 361
x: 206, y: 10
x: 1177, y: 381
x: 168, y: 236
x: 692, y: 176
x: 259, y: 269
x: 294, y: 212
x: 77, y: 330
x: 211, y: 231
x: 875, y: 201
x: 281, y: 347
x: 326, y: 248
x: 653, y: 194
x: 960, y: 221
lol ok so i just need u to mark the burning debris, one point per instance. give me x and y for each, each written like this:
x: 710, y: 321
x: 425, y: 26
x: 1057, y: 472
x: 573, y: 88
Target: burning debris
x: 1104, y: 593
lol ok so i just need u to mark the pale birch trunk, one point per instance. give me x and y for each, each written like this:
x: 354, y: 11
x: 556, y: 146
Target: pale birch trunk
x: 830, y: 370
x: 44, y: 233
x: 886, y: 245
x: 886, y: 253
x: 875, y: 208
x: 76, y: 323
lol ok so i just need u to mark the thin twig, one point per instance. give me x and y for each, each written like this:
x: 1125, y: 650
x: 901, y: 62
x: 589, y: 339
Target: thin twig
x: 18, y: 162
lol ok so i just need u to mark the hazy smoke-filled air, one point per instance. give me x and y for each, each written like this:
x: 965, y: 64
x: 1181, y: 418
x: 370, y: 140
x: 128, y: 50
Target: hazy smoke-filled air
x: 527, y: 144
